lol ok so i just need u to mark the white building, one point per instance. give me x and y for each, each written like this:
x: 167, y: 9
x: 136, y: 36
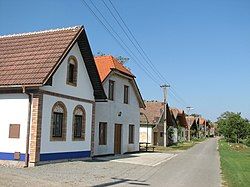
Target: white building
x: 48, y: 88
x: 118, y: 120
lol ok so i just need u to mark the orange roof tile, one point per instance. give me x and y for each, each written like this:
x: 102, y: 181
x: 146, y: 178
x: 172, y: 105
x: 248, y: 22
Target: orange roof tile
x: 105, y: 64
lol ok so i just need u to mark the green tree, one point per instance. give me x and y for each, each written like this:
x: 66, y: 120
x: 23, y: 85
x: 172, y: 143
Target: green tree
x: 233, y: 126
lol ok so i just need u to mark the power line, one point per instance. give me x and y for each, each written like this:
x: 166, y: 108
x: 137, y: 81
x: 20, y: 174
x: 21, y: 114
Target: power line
x: 97, y: 17
x: 150, y: 63
x: 150, y: 75
x: 131, y: 40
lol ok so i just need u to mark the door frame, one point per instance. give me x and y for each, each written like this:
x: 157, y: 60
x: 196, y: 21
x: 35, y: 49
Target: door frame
x: 119, y: 151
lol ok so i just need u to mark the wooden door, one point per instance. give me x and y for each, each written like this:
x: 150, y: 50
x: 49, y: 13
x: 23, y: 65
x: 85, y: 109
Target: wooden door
x: 155, y: 138
x: 117, y: 138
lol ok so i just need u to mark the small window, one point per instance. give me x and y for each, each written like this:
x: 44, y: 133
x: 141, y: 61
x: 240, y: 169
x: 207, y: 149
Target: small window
x: 58, y: 122
x: 111, y: 89
x: 102, y: 133
x: 126, y: 90
x: 72, y: 71
x: 14, y: 131
x: 131, y: 134
x: 79, y: 123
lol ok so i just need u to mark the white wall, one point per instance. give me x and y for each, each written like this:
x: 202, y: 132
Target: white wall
x: 48, y: 146
x: 108, y: 112
x: 84, y: 88
x: 143, y: 134
x: 13, y: 110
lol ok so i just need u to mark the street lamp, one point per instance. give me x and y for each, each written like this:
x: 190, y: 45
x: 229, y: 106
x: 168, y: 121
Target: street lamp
x: 142, y: 114
x: 188, y: 110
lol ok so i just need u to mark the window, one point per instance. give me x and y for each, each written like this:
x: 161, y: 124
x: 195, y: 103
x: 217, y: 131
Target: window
x: 102, y: 133
x: 14, y: 131
x: 131, y: 134
x: 79, y: 123
x: 72, y: 71
x: 58, y: 122
x: 126, y: 94
x: 111, y: 89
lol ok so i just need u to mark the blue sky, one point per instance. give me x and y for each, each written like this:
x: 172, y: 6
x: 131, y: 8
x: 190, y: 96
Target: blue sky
x: 202, y: 47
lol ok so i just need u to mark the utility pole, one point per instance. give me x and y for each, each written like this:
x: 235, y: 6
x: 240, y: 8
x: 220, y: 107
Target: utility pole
x: 189, y: 125
x: 164, y: 87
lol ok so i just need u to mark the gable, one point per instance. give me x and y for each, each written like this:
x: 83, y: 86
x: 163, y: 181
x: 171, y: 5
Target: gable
x: 30, y: 59
x: 83, y: 87
x: 120, y: 81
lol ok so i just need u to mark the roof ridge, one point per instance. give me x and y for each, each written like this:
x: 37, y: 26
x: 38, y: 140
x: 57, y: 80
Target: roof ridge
x: 42, y: 31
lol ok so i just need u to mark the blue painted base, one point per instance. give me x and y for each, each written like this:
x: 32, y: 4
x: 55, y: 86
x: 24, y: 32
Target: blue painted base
x: 10, y: 156
x: 64, y: 155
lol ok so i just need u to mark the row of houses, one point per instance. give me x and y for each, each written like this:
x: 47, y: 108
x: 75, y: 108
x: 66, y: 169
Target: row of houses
x: 181, y: 127
x: 58, y: 101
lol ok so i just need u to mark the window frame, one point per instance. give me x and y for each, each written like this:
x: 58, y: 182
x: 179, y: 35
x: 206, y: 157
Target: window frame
x: 111, y: 91
x: 83, y: 124
x: 126, y: 94
x: 103, y: 139
x: 59, y: 115
x: 131, y: 134
x: 64, y: 122
x: 72, y: 81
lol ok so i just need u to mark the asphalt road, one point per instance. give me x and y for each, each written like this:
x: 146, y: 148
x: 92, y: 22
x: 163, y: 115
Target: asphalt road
x: 198, y: 166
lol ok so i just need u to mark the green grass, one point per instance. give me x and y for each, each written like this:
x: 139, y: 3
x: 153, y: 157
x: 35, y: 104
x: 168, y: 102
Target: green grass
x: 235, y: 164
x: 179, y: 146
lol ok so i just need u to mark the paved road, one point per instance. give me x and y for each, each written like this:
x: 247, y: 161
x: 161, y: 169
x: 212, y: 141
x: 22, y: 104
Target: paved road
x: 198, y: 166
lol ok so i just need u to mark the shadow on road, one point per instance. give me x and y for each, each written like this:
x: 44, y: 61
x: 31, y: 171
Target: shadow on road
x: 120, y: 181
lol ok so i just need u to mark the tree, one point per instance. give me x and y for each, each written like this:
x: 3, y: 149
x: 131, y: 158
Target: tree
x: 233, y: 126
x: 122, y: 59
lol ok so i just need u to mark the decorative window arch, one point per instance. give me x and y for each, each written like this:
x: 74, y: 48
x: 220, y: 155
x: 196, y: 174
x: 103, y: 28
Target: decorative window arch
x: 58, y: 122
x: 72, y: 71
x: 79, y: 123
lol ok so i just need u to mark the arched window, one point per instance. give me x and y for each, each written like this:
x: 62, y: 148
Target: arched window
x: 58, y: 122
x: 79, y: 120
x: 72, y: 71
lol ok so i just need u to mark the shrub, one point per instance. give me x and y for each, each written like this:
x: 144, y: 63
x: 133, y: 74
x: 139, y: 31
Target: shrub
x: 247, y: 142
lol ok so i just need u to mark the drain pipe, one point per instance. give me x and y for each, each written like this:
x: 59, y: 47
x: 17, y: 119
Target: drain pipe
x: 28, y: 128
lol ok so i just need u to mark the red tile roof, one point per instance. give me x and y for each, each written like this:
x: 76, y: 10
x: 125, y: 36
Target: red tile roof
x: 105, y: 64
x: 28, y: 59
x: 154, y: 111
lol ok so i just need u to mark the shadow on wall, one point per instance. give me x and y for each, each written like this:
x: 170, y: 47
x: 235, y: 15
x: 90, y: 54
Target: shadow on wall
x: 120, y: 181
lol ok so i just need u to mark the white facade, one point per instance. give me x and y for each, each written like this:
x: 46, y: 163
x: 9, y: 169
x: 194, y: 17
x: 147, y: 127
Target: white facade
x: 48, y: 146
x: 13, y: 110
x: 83, y: 90
x: 108, y: 112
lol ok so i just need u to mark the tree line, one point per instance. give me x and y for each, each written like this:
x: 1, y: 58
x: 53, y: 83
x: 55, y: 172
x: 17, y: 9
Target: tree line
x: 234, y: 127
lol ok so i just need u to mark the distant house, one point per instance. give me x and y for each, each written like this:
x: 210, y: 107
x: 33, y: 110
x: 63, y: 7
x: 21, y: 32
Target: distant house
x: 193, y: 126
x: 154, y: 130
x: 181, y: 123
x: 151, y: 128
x: 48, y: 88
x: 202, y: 127
x: 118, y: 120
